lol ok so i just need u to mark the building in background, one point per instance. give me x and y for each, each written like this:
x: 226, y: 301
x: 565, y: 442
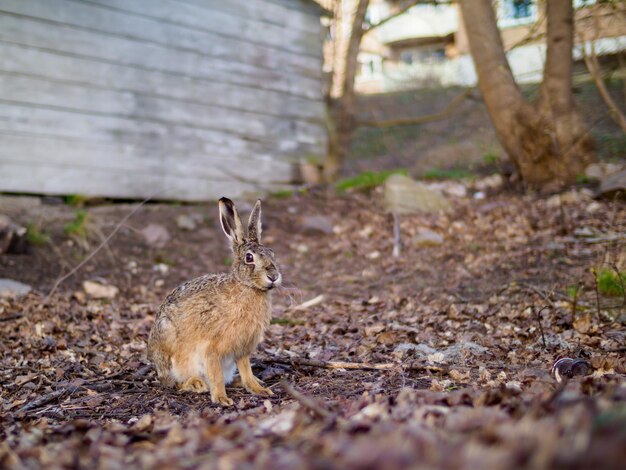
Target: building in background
x: 427, y: 45
x: 170, y: 99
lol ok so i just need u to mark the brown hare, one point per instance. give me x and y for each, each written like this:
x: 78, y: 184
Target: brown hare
x: 210, y: 324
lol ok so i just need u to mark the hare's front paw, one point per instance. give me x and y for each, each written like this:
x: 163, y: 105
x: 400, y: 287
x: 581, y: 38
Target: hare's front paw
x: 195, y: 384
x: 254, y: 386
x: 222, y: 400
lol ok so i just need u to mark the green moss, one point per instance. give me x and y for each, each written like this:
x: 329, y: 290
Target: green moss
x: 610, y: 283
x: 367, y: 180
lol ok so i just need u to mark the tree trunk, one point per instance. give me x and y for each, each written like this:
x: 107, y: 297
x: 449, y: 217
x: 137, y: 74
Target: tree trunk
x: 341, y: 109
x: 547, y: 141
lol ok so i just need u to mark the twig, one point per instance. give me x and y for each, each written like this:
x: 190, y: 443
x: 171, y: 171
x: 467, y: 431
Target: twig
x: 98, y: 248
x: 396, y: 234
x: 595, y: 285
x: 44, y: 400
x: 306, y: 401
x: 310, y: 303
x: 354, y: 365
x: 538, y: 317
x: 15, y: 316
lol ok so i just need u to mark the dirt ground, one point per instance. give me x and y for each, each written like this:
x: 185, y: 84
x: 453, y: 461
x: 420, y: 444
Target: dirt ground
x: 464, y: 333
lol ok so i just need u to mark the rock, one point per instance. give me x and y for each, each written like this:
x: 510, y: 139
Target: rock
x: 594, y: 172
x: 12, y: 236
x: 316, y: 224
x: 449, y: 188
x: 491, y: 183
x: 593, y: 207
x: 426, y: 237
x: 186, y: 222
x: 156, y: 235
x: 584, y: 232
x: 422, y: 350
x: 450, y: 354
x: 405, y: 195
x: 13, y: 289
x: 98, y: 290
x: 612, y: 184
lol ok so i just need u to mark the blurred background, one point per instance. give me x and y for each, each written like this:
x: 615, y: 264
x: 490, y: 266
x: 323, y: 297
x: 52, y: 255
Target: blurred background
x: 194, y: 99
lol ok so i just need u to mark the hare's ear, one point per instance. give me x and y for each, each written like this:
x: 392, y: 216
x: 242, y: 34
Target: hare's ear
x: 231, y: 222
x: 254, y: 223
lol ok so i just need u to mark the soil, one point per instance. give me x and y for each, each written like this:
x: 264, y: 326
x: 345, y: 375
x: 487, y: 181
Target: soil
x: 464, y: 335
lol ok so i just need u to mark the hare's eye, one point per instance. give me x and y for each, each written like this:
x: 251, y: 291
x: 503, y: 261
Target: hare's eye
x: 249, y: 258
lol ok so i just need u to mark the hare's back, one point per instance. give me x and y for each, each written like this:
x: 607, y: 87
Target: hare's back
x: 190, y: 290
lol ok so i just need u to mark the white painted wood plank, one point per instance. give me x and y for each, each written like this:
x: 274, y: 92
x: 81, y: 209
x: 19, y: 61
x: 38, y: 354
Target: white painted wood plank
x: 203, y: 17
x: 110, y: 159
x: 267, y: 12
x: 164, y: 32
x: 123, y: 51
x: 70, y: 69
x: 43, y: 92
x: 21, y: 119
x: 49, y: 179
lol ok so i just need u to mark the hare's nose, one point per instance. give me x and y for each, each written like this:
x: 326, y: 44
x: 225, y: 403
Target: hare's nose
x: 272, y: 277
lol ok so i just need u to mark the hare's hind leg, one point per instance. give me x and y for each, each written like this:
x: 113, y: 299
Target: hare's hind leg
x: 194, y: 384
x: 161, y: 337
x: 249, y: 381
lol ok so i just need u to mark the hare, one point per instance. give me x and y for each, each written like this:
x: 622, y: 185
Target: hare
x: 210, y: 324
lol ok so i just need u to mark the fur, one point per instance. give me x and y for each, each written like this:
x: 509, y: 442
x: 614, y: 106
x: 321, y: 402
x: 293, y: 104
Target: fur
x: 207, y: 326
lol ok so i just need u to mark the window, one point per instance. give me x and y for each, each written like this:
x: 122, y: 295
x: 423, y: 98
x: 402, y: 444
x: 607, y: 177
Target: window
x: 515, y: 12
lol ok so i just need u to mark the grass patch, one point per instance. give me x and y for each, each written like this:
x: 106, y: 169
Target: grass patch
x: 448, y: 174
x: 75, y: 200
x: 611, y: 283
x: 36, y: 236
x: 78, y: 226
x: 367, y: 180
x: 285, y: 321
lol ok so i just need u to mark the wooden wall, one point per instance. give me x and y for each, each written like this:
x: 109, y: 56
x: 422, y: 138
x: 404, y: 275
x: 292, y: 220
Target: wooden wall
x: 174, y: 99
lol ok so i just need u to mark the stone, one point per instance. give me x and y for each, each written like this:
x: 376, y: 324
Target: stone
x: 426, y: 237
x: 156, y: 235
x: 99, y: 290
x: 12, y: 236
x: 594, y: 172
x: 454, y: 353
x: 316, y: 224
x: 612, y: 184
x: 186, y: 222
x: 13, y: 289
x: 490, y: 184
x: 404, y: 195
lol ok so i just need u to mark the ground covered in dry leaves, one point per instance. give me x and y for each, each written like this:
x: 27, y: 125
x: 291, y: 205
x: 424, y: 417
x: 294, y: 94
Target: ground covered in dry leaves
x: 464, y: 335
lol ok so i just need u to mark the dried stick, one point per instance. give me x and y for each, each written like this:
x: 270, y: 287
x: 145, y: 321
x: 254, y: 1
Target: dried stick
x: 98, y: 248
x: 306, y: 401
x: 595, y: 285
x: 354, y: 365
x: 538, y: 317
x: 44, y: 400
x: 396, y: 234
